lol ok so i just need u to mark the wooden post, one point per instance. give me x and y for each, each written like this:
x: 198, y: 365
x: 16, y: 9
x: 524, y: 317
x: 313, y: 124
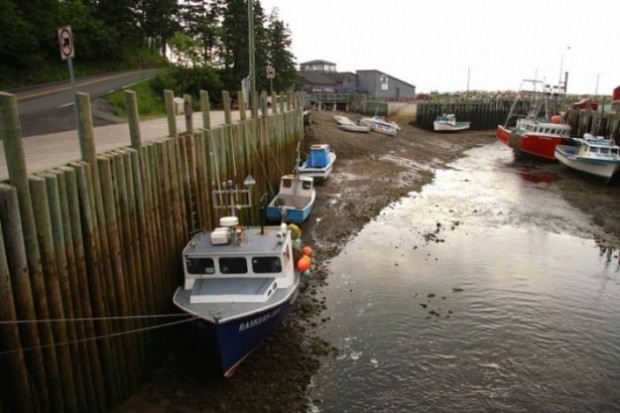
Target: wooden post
x: 189, y: 113
x: 10, y: 132
x: 274, y: 102
x: 17, y: 373
x: 263, y: 104
x: 64, y: 285
x: 226, y: 103
x: 206, y: 109
x: 22, y: 291
x: 72, y: 215
x: 52, y: 285
x: 282, y: 98
x: 171, y: 113
x: 241, y: 102
x: 96, y: 269
x: 131, y: 106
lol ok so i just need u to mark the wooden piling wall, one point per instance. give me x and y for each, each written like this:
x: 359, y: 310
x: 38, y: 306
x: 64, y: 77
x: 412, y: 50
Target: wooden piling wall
x: 487, y: 115
x: 90, y: 251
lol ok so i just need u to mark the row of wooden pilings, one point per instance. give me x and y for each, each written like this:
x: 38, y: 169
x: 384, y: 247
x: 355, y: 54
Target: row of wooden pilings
x: 486, y: 115
x: 90, y: 251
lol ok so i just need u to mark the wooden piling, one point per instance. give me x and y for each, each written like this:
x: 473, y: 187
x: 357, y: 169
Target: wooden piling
x: 9, y: 339
x: 205, y: 108
x: 170, y: 113
x: 131, y: 107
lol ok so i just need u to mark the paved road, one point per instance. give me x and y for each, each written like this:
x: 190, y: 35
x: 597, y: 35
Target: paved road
x: 51, y: 150
x: 48, y: 108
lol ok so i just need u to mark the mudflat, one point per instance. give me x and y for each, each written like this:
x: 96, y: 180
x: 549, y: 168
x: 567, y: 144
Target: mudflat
x: 371, y: 171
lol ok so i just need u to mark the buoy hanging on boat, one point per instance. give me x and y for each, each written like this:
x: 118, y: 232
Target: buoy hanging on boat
x: 556, y: 119
x: 304, y: 263
x: 307, y: 250
x: 295, y: 231
x: 307, y: 273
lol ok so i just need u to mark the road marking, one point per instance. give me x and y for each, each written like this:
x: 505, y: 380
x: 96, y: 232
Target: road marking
x: 67, y: 87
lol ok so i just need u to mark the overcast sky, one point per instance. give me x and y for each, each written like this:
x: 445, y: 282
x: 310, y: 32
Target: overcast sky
x: 433, y: 44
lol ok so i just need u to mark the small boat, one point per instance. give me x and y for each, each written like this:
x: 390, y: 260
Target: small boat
x: 595, y: 155
x: 534, y: 133
x: 239, y: 284
x: 319, y: 162
x: 380, y: 125
x: 447, y: 123
x: 347, y: 124
x: 294, y: 201
x: 354, y: 127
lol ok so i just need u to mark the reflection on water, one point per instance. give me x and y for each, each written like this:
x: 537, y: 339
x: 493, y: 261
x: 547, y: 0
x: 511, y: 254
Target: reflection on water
x: 483, y: 292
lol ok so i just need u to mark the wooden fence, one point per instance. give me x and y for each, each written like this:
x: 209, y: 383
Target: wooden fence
x: 90, y: 251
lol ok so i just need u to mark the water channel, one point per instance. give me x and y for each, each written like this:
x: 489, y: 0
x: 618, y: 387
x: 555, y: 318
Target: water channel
x: 483, y: 292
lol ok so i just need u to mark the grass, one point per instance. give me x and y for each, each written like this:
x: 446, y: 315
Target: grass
x: 150, y: 104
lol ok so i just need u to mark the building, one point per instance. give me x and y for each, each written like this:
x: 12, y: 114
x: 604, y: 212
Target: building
x: 321, y: 76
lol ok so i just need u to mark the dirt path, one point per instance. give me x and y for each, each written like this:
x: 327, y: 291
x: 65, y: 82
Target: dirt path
x: 371, y: 171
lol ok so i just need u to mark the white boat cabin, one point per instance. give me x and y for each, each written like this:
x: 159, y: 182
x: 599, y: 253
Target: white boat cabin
x: 544, y: 128
x: 237, y: 264
x: 593, y: 147
x: 295, y: 191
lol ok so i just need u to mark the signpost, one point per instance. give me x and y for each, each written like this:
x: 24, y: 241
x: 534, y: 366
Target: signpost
x: 271, y: 73
x: 67, y: 52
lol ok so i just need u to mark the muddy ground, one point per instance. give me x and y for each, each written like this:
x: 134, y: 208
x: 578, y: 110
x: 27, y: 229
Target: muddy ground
x: 371, y: 171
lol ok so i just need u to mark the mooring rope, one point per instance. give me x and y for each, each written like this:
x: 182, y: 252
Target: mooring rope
x: 82, y: 340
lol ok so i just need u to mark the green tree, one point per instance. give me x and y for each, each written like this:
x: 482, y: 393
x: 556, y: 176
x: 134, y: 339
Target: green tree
x: 279, y: 54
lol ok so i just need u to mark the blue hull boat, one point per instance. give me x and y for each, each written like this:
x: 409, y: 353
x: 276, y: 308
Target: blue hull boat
x: 239, y: 284
x: 294, y: 201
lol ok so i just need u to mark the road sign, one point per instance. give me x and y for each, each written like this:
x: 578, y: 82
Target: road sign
x: 65, y: 41
x: 271, y: 72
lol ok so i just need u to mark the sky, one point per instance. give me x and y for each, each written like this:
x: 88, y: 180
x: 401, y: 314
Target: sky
x: 444, y: 45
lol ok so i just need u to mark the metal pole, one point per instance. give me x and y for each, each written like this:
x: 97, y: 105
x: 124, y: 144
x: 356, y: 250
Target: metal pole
x: 252, y: 62
x: 73, y: 88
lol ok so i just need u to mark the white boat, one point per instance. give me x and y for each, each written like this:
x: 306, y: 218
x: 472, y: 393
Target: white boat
x: 319, y: 162
x: 347, y: 124
x: 380, y: 125
x: 294, y: 201
x: 354, y: 127
x: 594, y: 155
x: 447, y: 123
x: 239, y: 283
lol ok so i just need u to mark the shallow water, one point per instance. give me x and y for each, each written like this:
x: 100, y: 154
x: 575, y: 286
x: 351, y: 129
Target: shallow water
x: 484, y: 292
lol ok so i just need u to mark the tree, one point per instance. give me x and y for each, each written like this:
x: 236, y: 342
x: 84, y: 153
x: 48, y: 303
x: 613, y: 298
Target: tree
x: 279, y: 55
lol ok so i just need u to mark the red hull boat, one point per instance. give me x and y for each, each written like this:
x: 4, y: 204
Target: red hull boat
x: 534, y: 133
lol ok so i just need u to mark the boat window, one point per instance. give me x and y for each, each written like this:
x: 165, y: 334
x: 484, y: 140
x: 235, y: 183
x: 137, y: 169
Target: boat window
x: 266, y: 264
x: 200, y: 265
x: 306, y: 185
x: 604, y: 150
x: 233, y: 265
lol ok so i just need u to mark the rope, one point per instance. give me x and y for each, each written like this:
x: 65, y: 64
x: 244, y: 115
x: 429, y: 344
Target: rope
x: 2, y: 353
x: 69, y: 320
x: 217, y: 168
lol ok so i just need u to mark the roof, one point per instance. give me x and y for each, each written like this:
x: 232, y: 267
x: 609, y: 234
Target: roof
x: 383, y: 73
x: 317, y: 62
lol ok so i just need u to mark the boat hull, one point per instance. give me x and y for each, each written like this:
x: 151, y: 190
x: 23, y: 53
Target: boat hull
x: 230, y: 342
x: 567, y: 155
x: 318, y: 173
x: 443, y: 127
x: 536, y: 145
x: 288, y: 214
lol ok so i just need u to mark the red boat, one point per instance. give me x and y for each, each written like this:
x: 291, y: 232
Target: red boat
x: 533, y: 134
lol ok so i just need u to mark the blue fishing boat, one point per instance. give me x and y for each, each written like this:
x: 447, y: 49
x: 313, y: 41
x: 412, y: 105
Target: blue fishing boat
x: 319, y: 162
x: 294, y: 201
x: 239, y: 284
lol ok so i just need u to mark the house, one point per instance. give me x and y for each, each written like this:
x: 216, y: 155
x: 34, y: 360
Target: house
x: 321, y: 76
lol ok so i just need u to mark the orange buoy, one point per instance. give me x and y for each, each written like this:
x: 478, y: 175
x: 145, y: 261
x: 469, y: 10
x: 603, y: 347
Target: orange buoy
x: 556, y: 119
x: 304, y: 263
x: 307, y: 250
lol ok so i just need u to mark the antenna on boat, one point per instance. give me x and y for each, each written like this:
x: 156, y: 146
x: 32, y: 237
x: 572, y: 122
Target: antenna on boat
x: 234, y: 194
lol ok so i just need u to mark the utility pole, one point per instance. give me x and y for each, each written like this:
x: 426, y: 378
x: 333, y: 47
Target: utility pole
x: 253, y: 103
